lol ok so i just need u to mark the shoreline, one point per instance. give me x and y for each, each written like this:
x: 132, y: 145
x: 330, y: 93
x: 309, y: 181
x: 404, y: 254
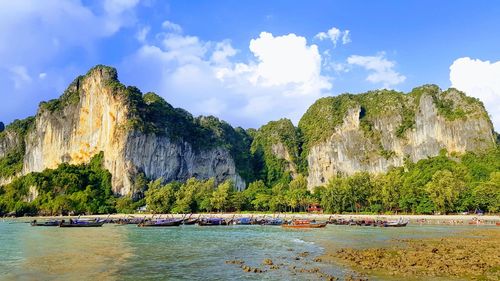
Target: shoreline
x: 414, y: 219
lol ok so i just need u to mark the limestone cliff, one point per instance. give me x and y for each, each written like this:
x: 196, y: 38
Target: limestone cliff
x: 277, y: 143
x: 142, y: 133
x: 380, y: 129
x: 97, y: 113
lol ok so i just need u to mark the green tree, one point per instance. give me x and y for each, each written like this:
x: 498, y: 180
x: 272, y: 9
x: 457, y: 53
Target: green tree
x: 487, y: 194
x: 204, y: 194
x: 239, y: 201
x: 160, y: 198
x: 444, y: 189
x: 388, y: 187
x: 334, y: 196
x: 125, y: 205
x: 278, y: 200
x: 221, y: 196
x: 298, y: 197
x: 186, y: 196
x: 358, y: 190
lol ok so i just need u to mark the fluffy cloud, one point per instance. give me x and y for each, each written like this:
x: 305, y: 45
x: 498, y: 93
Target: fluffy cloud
x: 381, y: 69
x: 480, y: 79
x: 47, y: 37
x: 281, y: 79
x: 334, y: 34
x: 142, y: 34
x: 168, y: 25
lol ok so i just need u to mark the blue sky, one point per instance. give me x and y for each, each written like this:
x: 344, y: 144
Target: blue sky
x: 249, y: 62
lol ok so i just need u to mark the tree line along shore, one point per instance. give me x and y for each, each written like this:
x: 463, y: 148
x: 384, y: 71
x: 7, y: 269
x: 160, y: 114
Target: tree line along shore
x: 435, y: 185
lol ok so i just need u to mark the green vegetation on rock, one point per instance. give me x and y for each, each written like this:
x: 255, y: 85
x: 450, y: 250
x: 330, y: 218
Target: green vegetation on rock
x: 78, y: 189
x: 271, y: 159
x: 71, y: 96
x: 321, y: 119
x: 272, y: 137
x: 437, y: 184
x: 12, y: 162
x: 19, y: 126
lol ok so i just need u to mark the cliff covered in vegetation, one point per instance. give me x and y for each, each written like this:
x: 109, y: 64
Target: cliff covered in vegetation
x: 380, y: 129
x: 138, y: 134
x: 345, y: 142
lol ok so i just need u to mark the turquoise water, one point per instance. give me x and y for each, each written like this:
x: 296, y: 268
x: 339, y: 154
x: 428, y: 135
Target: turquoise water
x: 182, y: 253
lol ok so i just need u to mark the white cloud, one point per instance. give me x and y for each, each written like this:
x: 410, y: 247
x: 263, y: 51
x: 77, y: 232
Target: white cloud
x: 223, y: 51
x: 19, y: 76
x: 142, y: 34
x: 281, y: 80
x: 47, y: 36
x: 334, y: 34
x: 346, y: 38
x: 118, y: 13
x: 42, y: 75
x: 381, y: 69
x: 170, y: 26
x: 480, y: 79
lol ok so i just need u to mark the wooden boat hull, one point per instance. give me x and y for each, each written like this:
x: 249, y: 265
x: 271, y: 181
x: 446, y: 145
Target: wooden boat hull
x: 90, y: 224
x: 45, y: 224
x: 212, y: 224
x: 164, y: 224
x: 396, y: 225
x: 303, y: 226
x: 190, y: 222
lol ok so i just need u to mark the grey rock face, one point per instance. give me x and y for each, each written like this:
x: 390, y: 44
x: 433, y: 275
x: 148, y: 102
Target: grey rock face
x: 9, y: 142
x: 98, y: 122
x: 159, y: 157
x: 348, y: 150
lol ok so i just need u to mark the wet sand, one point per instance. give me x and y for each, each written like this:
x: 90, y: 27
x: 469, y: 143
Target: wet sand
x: 473, y: 255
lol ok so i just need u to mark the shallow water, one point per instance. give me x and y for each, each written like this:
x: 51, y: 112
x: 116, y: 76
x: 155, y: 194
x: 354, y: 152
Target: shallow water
x: 182, y: 253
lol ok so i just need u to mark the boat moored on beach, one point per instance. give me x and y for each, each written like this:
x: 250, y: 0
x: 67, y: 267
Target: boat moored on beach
x: 161, y: 222
x: 304, y: 224
x: 272, y: 221
x: 244, y: 221
x: 46, y: 223
x: 398, y: 223
x: 81, y: 223
x: 213, y: 221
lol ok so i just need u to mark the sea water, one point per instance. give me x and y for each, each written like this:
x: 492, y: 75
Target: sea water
x: 114, y: 252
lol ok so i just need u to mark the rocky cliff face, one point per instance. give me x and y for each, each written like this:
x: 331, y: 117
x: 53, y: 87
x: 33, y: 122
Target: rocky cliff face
x: 10, y: 141
x: 277, y: 143
x: 144, y: 134
x: 439, y: 120
x: 95, y: 115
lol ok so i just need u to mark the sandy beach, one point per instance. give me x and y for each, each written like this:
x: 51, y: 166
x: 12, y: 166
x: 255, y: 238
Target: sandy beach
x: 414, y: 219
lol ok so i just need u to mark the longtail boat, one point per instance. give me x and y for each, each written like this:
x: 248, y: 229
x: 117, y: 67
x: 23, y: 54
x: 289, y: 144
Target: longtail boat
x: 304, y: 224
x: 131, y: 220
x: 272, y: 221
x: 46, y: 223
x: 213, y: 221
x: 190, y: 221
x: 80, y: 223
x: 398, y: 223
x: 243, y: 221
x: 161, y: 222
